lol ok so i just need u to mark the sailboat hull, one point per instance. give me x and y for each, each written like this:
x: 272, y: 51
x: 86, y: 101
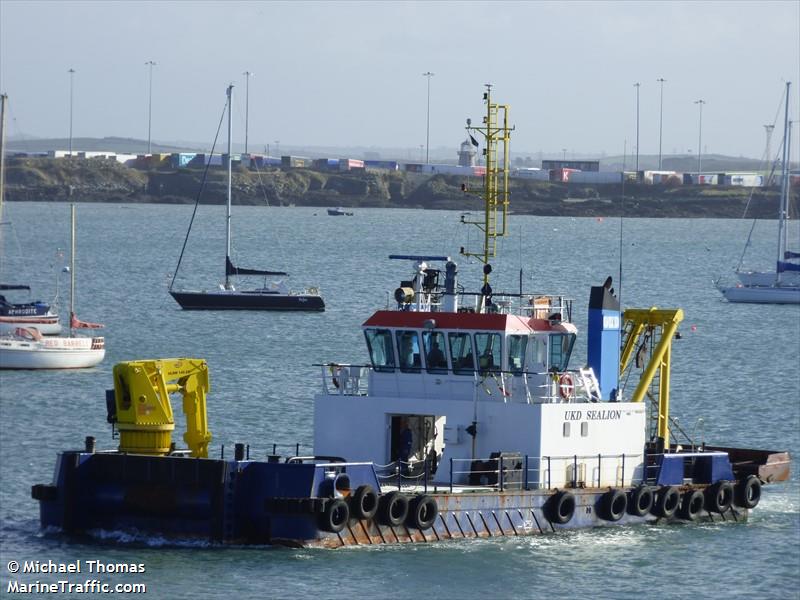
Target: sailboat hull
x: 762, y: 294
x: 247, y: 300
x: 51, y: 353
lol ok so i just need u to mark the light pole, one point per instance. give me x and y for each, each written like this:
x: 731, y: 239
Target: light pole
x: 71, y: 77
x: 637, y: 85
x: 660, y: 80
x: 150, y: 64
x: 564, y: 151
x: 428, y: 74
x: 700, y: 139
x: 278, y: 148
x: 246, y: 106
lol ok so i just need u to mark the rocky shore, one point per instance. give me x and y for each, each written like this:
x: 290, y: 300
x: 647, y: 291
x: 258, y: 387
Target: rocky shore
x: 102, y: 180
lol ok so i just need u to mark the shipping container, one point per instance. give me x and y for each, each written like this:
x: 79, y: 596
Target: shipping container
x: 743, y: 179
x: 390, y: 165
x: 414, y: 167
x: 530, y: 173
x: 479, y: 171
x: 295, y: 161
x: 182, y: 159
x: 562, y: 174
x: 595, y: 177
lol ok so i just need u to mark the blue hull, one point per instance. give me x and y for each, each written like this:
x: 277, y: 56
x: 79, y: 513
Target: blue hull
x: 254, y: 502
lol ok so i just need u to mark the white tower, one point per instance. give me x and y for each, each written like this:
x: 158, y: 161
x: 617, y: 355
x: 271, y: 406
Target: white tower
x: 466, y: 156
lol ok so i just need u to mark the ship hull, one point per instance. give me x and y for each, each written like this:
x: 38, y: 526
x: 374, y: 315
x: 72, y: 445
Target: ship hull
x: 241, y: 502
x: 224, y: 300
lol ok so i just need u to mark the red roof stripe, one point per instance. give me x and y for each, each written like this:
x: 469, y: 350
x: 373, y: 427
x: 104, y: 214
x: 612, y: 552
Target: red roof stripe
x: 444, y: 320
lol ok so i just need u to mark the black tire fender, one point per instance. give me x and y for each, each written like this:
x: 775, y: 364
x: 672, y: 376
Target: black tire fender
x: 719, y: 497
x: 692, y: 504
x: 613, y: 505
x: 364, y: 503
x: 393, y: 508
x: 748, y: 492
x: 667, y: 501
x: 641, y: 500
x: 422, y: 513
x: 335, y: 516
x: 560, y: 507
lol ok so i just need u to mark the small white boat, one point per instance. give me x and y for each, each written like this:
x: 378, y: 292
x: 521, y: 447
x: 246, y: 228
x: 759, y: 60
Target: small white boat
x: 781, y: 286
x: 26, y: 348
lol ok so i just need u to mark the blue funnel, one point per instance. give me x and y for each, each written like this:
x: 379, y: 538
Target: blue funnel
x: 604, y: 339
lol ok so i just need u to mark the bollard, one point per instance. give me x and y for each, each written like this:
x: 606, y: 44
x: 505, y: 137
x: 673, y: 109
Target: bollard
x: 89, y: 444
x: 238, y: 452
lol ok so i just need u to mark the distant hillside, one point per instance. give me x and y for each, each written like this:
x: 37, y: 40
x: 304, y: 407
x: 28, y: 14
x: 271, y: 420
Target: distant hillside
x: 104, y: 180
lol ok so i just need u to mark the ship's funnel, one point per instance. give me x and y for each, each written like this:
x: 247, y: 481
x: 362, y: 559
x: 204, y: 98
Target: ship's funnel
x: 604, y: 339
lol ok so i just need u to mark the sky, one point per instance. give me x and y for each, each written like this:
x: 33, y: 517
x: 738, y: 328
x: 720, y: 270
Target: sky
x: 350, y: 74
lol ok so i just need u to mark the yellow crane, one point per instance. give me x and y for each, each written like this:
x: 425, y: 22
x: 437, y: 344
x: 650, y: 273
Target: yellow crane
x: 142, y: 411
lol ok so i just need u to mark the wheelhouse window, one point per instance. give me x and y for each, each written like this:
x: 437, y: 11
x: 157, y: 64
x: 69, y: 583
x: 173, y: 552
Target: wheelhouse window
x: 408, y: 349
x: 379, y: 343
x: 538, y: 354
x: 517, y: 344
x: 488, y: 346
x: 435, y: 358
x: 461, y: 353
x: 560, y: 350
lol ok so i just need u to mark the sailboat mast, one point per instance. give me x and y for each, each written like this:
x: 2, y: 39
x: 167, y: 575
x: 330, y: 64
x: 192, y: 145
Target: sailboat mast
x: 230, y: 177
x: 72, y: 267
x: 3, y: 99
x: 784, y: 203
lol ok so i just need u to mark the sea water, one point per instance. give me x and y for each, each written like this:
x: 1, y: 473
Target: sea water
x: 735, y: 381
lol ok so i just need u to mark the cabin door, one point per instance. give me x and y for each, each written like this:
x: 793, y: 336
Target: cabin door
x: 415, y: 439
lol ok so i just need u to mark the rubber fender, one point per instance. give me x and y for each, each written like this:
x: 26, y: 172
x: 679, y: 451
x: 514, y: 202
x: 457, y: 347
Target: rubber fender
x: 641, y: 500
x: 692, y: 503
x: 335, y: 516
x: 364, y: 503
x: 560, y: 507
x: 423, y: 511
x: 719, y: 497
x: 667, y: 501
x: 748, y: 492
x: 392, y: 508
x: 613, y: 505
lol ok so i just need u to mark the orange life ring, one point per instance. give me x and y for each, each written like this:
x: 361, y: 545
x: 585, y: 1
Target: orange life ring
x: 566, y: 387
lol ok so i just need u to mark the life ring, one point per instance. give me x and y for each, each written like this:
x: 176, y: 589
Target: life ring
x: 364, y: 503
x: 667, y: 502
x: 393, y: 509
x: 423, y: 512
x: 335, y: 516
x: 336, y: 372
x: 748, y: 492
x: 560, y: 507
x: 692, y: 504
x: 613, y: 505
x: 719, y: 497
x: 641, y: 501
x: 566, y: 387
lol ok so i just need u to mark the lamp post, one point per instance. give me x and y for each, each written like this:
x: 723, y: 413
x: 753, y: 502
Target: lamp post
x: 71, y: 77
x: 637, y: 85
x: 428, y: 74
x: 700, y: 139
x: 660, y: 80
x: 150, y: 64
x: 564, y: 151
x: 247, y: 75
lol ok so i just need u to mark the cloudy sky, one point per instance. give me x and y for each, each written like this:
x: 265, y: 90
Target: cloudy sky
x: 350, y: 73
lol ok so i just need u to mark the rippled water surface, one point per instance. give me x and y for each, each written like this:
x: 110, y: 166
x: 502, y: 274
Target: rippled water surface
x: 736, y: 367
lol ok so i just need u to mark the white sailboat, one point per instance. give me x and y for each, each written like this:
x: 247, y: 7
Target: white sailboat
x: 26, y: 348
x: 781, y: 286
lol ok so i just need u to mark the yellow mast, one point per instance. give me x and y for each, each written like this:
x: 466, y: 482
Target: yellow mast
x: 496, y: 133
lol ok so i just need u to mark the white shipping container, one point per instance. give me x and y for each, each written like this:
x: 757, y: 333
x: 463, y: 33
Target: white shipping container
x: 595, y: 177
x: 535, y: 174
x: 744, y: 179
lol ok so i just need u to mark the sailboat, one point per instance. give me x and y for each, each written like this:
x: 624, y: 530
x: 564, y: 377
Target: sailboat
x: 20, y: 314
x: 26, y: 348
x: 273, y: 295
x: 781, y: 286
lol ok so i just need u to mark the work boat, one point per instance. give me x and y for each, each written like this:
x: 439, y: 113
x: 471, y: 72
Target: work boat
x: 465, y: 422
